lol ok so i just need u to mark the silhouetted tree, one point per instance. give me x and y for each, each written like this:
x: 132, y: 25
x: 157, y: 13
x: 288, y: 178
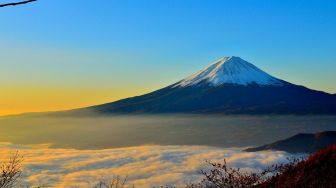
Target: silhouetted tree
x: 221, y: 175
x: 10, y: 171
x: 115, y: 182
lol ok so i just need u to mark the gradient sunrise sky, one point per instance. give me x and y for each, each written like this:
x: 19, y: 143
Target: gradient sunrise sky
x: 65, y: 54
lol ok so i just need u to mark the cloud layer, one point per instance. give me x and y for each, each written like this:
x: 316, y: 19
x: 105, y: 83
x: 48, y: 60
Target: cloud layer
x: 146, y: 166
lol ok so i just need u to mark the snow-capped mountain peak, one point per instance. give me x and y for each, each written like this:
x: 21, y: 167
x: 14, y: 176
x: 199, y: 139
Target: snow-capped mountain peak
x: 230, y: 70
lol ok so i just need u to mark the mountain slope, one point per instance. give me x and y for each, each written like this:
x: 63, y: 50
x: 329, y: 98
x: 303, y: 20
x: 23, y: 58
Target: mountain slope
x: 228, y: 86
x: 318, y: 170
x: 301, y: 143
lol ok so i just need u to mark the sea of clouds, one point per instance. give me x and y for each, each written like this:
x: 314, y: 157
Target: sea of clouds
x: 144, y: 166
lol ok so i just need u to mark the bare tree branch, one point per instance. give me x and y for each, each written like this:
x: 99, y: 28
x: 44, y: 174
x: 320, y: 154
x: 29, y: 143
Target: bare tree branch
x: 10, y: 171
x: 17, y: 3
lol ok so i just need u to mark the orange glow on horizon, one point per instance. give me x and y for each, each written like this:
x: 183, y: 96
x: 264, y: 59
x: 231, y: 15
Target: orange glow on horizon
x: 16, y: 100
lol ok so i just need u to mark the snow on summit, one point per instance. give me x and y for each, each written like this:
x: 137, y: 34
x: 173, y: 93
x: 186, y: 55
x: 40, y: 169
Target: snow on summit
x: 230, y: 70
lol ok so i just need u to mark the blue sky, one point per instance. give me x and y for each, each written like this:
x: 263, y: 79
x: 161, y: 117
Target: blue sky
x: 114, y: 49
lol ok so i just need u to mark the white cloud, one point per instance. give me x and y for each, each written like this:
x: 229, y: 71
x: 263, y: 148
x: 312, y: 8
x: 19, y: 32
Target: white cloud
x: 145, y: 166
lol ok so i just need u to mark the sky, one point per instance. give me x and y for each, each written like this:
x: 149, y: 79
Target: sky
x: 57, y: 55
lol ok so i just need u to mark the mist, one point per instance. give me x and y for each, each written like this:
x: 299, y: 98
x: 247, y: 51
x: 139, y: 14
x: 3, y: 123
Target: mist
x: 144, y: 166
x: 100, y: 132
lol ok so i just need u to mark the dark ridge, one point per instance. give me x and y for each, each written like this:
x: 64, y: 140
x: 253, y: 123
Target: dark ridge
x: 300, y: 143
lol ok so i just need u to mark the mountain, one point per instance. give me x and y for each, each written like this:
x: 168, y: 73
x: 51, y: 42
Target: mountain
x: 230, y: 85
x: 301, y: 143
x: 230, y: 70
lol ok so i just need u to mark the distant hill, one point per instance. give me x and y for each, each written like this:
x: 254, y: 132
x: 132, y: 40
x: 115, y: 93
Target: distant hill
x: 300, y: 143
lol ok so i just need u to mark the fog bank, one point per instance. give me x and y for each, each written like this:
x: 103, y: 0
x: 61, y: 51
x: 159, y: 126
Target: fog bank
x: 145, y: 166
x: 97, y: 132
